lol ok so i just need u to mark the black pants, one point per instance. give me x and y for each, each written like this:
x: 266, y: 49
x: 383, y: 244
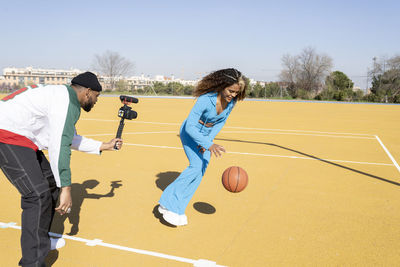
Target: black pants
x: 29, y: 171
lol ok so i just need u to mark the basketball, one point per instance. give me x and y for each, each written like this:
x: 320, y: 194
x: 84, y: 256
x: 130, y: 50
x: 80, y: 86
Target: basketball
x: 235, y: 179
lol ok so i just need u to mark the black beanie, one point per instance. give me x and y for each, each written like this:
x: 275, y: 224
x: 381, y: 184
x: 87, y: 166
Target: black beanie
x: 88, y: 80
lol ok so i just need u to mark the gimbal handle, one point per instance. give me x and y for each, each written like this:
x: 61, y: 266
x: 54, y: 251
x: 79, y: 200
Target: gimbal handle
x: 119, y: 131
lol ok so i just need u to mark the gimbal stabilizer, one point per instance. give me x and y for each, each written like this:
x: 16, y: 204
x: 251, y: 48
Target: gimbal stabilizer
x: 125, y: 112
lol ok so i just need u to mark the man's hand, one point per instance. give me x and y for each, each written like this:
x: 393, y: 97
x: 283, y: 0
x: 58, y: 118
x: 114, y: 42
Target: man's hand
x: 65, y: 201
x: 110, y: 145
x: 216, y: 149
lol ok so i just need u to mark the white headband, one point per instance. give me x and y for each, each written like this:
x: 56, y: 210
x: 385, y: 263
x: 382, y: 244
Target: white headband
x: 229, y: 76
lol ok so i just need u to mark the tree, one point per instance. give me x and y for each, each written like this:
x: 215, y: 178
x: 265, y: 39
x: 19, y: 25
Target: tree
x: 174, y: 88
x: 386, y: 81
x: 305, y: 72
x: 290, y: 73
x: 122, y: 85
x: 112, y: 66
x: 274, y: 90
x: 188, y: 90
x: 291, y: 68
x: 337, y: 80
x: 314, y: 69
x: 159, y: 88
x: 257, y: 91
x: 337, y: 86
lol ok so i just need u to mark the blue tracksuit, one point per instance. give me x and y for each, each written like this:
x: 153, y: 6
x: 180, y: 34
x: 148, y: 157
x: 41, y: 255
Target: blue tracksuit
x: 177, y: 195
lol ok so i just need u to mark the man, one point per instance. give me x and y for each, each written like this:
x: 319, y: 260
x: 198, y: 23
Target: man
x: 33, y: 119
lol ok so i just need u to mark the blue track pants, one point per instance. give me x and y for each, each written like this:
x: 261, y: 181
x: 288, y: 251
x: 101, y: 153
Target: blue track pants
x: 177, y: 195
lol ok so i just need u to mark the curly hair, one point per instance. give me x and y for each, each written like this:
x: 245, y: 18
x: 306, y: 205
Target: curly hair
x: 218, y: 80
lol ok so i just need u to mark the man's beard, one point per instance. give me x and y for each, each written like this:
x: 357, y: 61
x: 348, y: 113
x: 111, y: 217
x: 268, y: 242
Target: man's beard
x: 88, y: 106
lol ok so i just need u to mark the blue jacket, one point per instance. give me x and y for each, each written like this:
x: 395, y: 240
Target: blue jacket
x: 205, y: 110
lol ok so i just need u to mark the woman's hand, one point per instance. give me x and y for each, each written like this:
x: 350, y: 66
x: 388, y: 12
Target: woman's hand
x: 65, y: 201
x: 216, y: 149
x: 110, y: 145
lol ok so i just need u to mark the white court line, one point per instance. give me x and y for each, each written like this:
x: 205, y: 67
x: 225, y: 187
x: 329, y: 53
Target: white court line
x: 388, y: 153
x: 252, y: 132
x: 146, y: 122
x: 270, y: 155
x: 161, y: 132
x: 302, y: 131
x: 318, y: 133
x: 99, y: 242
x: 234, y: 127
x: 325, y: 135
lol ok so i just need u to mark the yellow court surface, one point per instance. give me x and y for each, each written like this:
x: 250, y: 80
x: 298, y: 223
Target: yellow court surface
x: 324, y: 189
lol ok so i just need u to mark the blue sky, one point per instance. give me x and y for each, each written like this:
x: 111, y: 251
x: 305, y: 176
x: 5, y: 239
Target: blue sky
x: 191, y: 38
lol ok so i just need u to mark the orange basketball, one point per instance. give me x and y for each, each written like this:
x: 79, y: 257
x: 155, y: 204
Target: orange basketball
x: 235, y: 179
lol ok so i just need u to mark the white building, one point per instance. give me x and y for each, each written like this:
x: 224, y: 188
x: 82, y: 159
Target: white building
x: 14, y: 77
x: 139, y: 82
x: 18, y: 77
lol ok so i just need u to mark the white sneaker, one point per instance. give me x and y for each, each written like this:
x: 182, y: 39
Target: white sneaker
x: 161, y: 209
x: 56, y: 243
x: 183, y: 219
x: 172, y: 217
x: 175, y: 219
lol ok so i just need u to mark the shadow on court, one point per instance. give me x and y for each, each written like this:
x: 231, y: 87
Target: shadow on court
x: 51, y: 257
x: 204, y: 207
x: 159, y: 216
x: 166, y: 178
x: 313, y: 157
x: 79, y: 194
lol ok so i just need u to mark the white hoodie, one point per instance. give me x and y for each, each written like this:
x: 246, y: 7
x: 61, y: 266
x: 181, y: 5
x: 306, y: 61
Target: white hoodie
x: 47, y: 114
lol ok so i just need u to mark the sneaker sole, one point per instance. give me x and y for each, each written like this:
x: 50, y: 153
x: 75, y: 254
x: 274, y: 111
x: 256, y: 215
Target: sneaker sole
x: 57, y: 244
x: 161, y: 210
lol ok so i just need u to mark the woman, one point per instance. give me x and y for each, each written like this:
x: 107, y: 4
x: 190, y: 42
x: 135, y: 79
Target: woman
x: 217, y: 94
